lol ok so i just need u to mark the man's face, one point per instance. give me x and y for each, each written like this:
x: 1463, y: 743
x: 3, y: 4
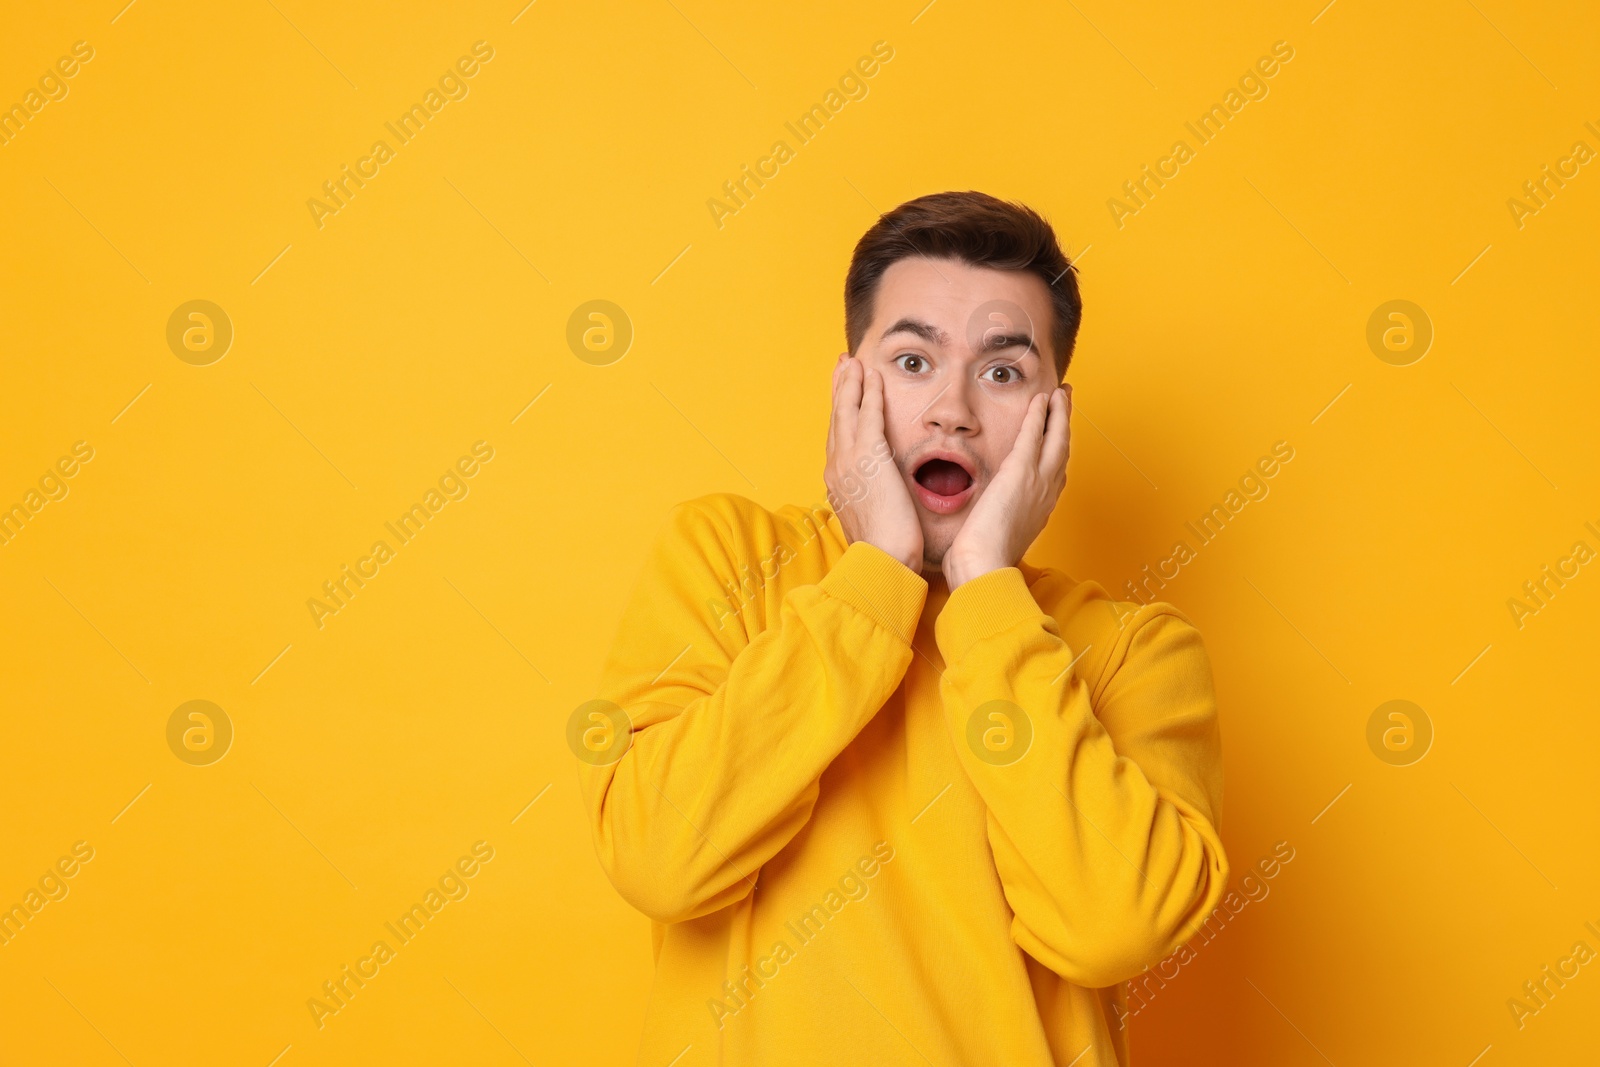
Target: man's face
x: 961, y: 350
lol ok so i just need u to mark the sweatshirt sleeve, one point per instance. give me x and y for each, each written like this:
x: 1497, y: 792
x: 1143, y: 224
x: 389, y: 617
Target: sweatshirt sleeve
x: 1104, y: 830
x: 730, y: 733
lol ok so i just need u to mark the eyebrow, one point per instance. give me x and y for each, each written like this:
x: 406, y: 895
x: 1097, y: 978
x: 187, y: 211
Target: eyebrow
x: 1000, y: 341
x: 995, y: 342
x: 928, y: 332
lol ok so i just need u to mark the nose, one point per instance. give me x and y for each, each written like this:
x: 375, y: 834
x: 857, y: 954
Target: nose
x: 951, y: 410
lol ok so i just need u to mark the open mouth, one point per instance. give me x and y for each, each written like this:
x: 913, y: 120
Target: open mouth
x: 943, y: 484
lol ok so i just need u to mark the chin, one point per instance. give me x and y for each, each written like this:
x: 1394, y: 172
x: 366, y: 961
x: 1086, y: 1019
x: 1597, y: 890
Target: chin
x: 935, y: 543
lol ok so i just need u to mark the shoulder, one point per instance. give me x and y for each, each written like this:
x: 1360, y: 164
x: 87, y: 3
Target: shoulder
x: 743, y: 529
x: 733, y: 514
x: 1112, y: 635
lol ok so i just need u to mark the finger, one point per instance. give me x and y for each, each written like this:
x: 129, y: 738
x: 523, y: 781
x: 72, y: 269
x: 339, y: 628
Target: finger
x: 1024, y: 455
x: 833, y: 396
x: 1068, y: 389
x: 1031, y: 435
x: 837, y: 420
x: 848, y: 408
x: 871, y: 423
x: 832, y: 407
x: 1053, y: 456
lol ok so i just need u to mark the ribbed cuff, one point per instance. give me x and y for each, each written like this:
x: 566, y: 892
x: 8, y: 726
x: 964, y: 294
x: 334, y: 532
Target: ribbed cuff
x: 880, y: 587
x: 983, y: 607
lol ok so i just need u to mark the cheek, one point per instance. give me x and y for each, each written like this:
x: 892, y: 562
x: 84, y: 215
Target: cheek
x: 1001, y: 424
x: 990, y: 456
x: 899, y: 419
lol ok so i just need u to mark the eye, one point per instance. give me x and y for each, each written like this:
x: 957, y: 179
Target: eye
x: 1004, y: 374
x: 911, y: 363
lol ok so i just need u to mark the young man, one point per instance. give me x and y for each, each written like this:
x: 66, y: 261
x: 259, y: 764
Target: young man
x: 890, y: 794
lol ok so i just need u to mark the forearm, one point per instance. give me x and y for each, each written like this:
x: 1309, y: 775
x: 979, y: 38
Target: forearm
x: 1107, y: 865
x: 714, y: 787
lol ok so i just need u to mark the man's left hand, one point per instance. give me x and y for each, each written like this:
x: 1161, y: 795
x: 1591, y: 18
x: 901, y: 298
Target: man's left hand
x: 1013, y: 510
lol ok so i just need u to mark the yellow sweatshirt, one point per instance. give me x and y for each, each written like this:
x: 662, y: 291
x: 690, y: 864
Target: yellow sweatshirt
x: 874, y: 822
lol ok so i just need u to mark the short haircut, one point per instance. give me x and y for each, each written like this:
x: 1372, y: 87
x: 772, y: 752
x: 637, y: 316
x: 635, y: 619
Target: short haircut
x: 977, y: 229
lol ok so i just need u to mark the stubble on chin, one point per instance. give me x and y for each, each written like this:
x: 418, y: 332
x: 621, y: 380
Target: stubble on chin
x: 935, y: 543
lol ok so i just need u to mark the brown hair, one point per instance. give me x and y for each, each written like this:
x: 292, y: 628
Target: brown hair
x: 977, y: 229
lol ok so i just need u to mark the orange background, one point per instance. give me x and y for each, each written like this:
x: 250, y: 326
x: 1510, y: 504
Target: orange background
x: 370, y: 353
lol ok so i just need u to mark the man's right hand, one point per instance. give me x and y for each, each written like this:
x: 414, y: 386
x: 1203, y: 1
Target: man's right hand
x: 864, y: 484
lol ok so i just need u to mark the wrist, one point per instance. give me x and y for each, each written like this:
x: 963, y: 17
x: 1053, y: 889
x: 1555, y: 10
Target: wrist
x: 907, y: 557
x: 958, y: 570
x: 911, y: 560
